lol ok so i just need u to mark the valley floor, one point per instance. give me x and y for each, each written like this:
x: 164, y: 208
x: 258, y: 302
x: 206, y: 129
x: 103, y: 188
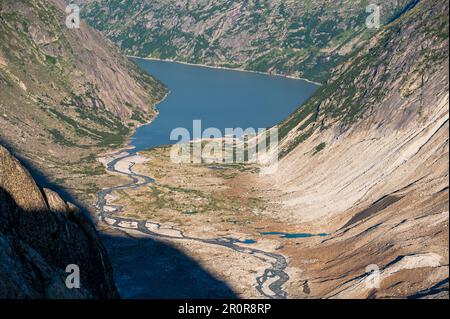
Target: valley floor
x: 214, y: 217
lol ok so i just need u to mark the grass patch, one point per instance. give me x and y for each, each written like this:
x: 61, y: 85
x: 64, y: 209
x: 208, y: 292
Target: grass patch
x: 319, y: 148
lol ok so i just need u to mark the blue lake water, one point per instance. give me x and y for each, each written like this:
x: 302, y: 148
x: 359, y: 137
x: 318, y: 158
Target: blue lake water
x: 219, y: 98
x: 292, y: 235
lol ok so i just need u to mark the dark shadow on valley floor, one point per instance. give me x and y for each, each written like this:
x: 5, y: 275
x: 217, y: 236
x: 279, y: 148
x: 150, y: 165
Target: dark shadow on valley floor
x: 146, y: 268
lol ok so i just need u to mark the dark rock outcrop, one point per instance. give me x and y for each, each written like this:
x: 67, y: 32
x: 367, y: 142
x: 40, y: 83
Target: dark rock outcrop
x: 40, y: 235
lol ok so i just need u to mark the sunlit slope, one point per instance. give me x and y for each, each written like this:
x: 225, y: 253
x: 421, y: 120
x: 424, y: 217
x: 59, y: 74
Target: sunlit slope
x: 366, y: 160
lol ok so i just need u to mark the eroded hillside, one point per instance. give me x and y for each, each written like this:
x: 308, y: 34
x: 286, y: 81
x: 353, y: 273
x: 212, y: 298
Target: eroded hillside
x: 366, y: 159
x: 66, y: 94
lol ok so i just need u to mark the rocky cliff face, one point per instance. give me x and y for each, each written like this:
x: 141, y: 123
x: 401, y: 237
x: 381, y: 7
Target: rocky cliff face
x: 300, y: 38
x: 366, y: 160
x: 40, y: 235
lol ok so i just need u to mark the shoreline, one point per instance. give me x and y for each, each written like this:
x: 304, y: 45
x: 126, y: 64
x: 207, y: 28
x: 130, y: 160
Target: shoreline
x: 227, y: 69
x: 127, y: 144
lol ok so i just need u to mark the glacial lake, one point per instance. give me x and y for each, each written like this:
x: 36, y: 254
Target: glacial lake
x: 219, y: 98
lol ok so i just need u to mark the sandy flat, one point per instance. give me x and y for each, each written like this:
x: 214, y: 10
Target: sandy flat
x: 123, y: 166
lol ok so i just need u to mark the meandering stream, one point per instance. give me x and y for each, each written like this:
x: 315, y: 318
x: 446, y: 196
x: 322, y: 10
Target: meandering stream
x: 274, y: 277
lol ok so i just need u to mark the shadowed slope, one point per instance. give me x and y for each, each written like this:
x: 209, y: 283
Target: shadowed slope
x: 40, y: 235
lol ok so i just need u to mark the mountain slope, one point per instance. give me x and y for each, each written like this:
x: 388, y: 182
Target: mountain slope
x: 66, y: 94
x: 40, y: 235
x: 366, y: 161
x: 298, y: 38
